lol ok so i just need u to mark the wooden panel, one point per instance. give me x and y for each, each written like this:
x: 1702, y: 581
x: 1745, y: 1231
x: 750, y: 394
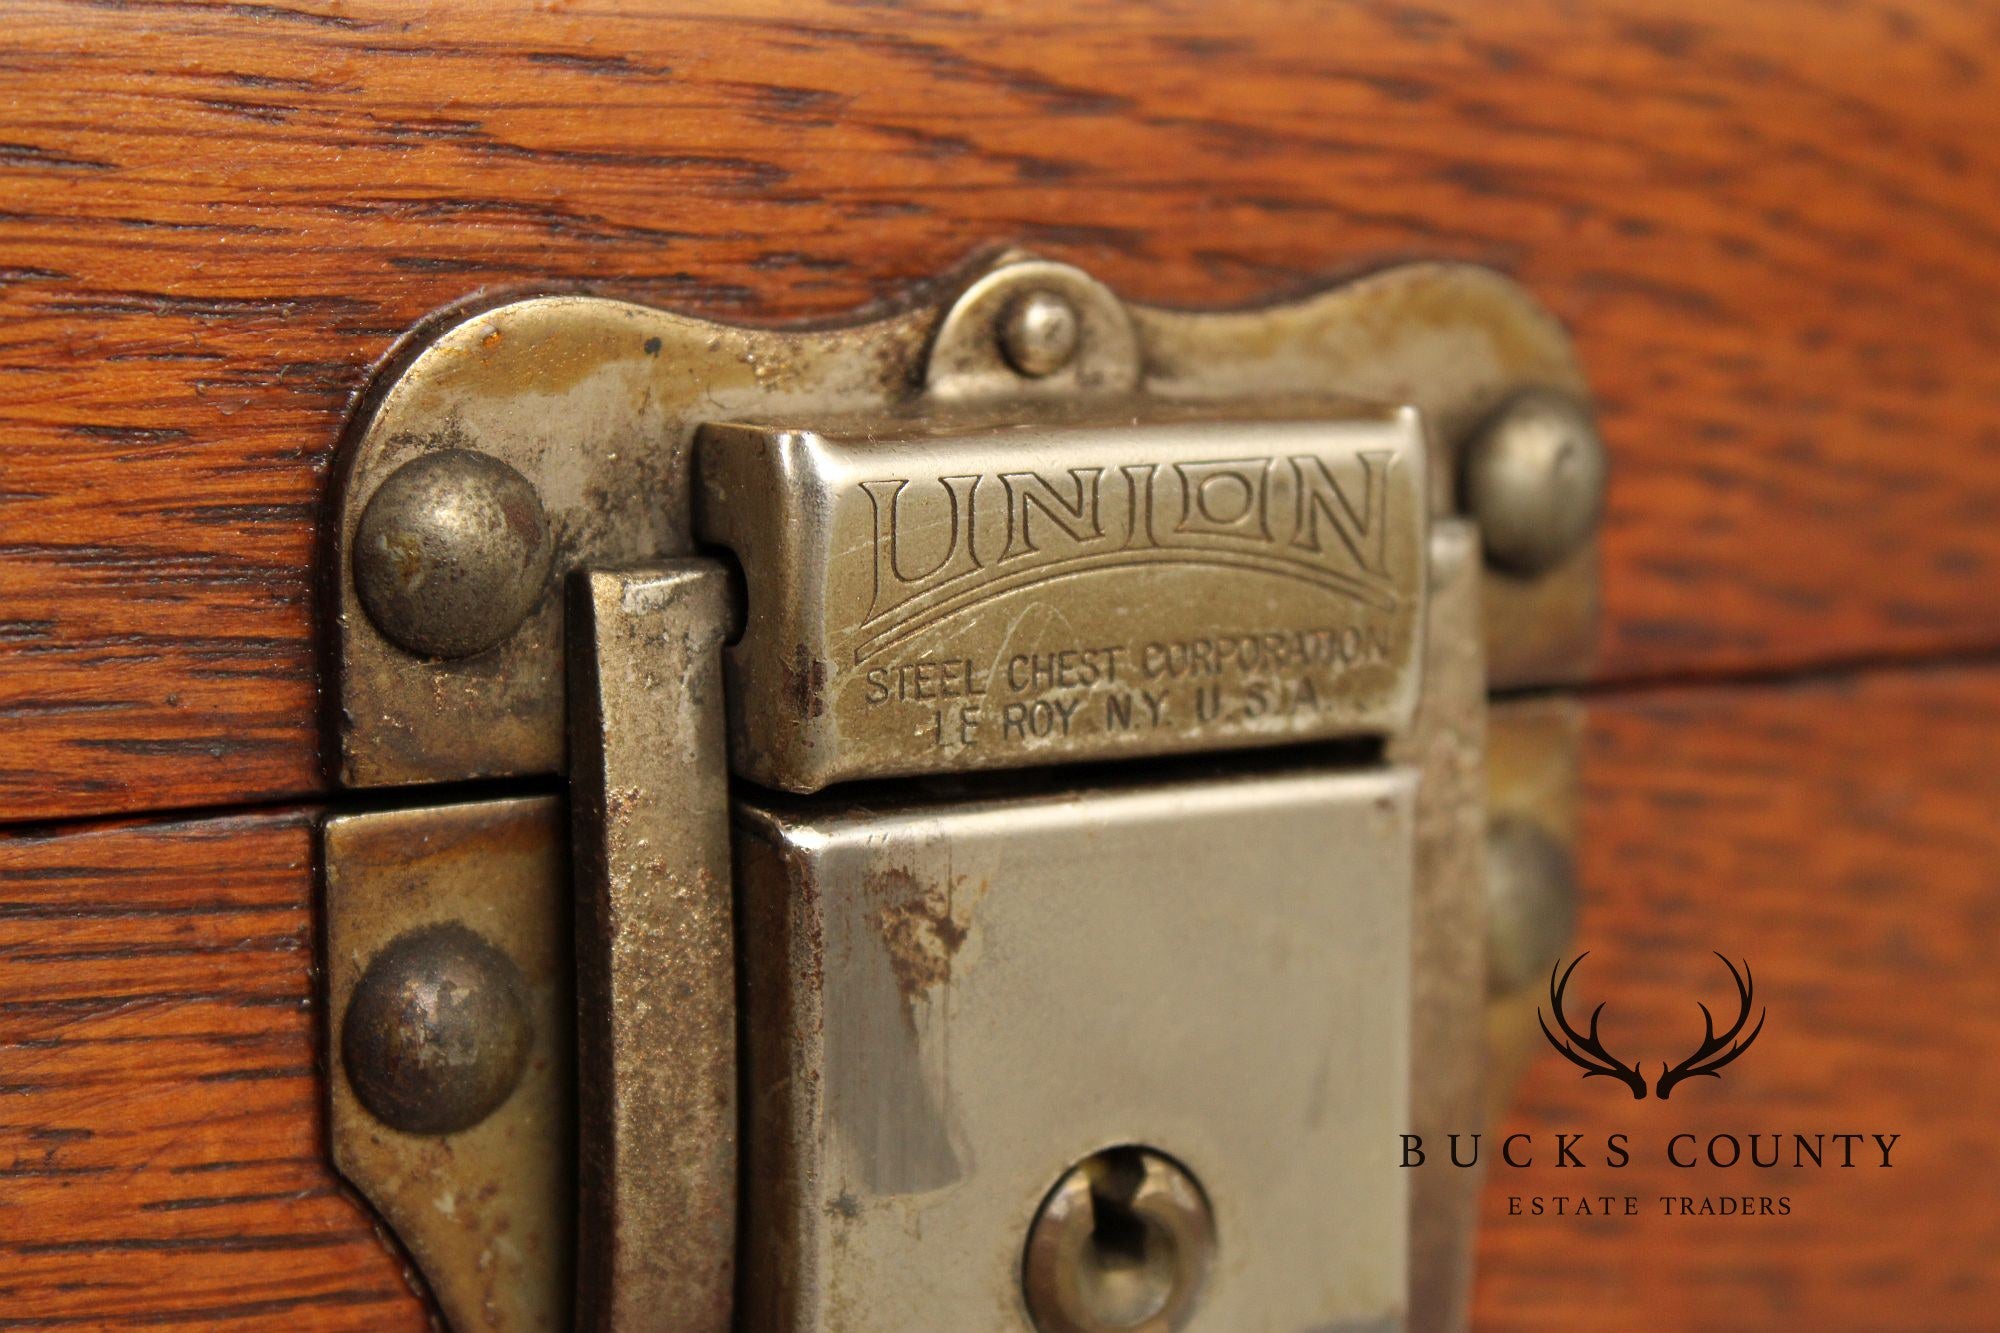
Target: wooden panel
x: 1841, y: 836
x: 1774, y: 228
x: 162, y: 1151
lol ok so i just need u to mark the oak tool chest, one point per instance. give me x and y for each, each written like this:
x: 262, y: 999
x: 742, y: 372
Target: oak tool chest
x: 1032, y: 668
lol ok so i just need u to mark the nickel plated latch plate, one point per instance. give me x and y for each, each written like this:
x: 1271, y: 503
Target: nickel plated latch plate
x: 1023, y: 760
x: 960, y: 598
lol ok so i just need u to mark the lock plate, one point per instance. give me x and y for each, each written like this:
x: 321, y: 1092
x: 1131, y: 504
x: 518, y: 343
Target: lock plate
x: 958, y: 598
x: 594, y: 405
x: 975, y: 1004
x: 949, y: 1004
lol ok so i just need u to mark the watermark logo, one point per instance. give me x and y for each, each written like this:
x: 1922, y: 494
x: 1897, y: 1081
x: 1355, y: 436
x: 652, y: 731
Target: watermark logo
x: 1577, y: 1154
x: 1587, y: 1051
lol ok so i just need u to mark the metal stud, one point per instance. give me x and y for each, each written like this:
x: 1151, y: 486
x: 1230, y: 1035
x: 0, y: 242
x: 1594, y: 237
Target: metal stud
x: 452, y: 553
x: 1530, y: 902
x: 1039, y: 333
x: 1534, y: 478
x: 1124, y: 1241
x: 437, y: 1031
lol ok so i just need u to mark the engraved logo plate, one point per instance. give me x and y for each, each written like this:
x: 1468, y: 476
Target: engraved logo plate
x: 1010, y: 596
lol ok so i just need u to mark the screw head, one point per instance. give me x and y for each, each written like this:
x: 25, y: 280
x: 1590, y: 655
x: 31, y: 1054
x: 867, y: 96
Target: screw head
x: 1039, y: 333
x: 1125, y: 1240
x: 1530, y: 901
x: 452, y: 553
x: 437, y: 1031
x: 1534, y: 478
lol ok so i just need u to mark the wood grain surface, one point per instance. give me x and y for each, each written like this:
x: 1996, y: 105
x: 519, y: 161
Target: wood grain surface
x: 162, y: 1145
x: 1774, y: 229
x: 163, y: 1154
x: 1841, y: 837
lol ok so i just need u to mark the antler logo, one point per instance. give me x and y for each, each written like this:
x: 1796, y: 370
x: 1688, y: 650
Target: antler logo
x: 1587, y: 1051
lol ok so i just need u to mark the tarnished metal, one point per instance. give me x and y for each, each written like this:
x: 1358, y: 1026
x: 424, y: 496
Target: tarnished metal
x: 437, y: 1030
x: 1530, y: 902
x: 1000, y: 339
x: 452, y: 553
x: 1452, y: 341
x: 596, y: 403
x: 1031, y: 524
x: 1124, y: 1241
x: 1534, y: 477
x: 1039, y: 333
x: 1533, y: 748
x: 948, y: 1004
x: 483, y: 1203
x: 1447, y: 744
x: 953, y: 599
x: 656, y: 974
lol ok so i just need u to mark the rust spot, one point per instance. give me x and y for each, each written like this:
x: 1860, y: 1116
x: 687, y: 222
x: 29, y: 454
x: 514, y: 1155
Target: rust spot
x: 619, y: 802
x: 408, y: 553
x: 805, y: 683
x: 923, y: 925
x: 523, y: 517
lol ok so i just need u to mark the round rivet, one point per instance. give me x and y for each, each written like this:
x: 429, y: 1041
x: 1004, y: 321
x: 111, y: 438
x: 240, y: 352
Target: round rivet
x: 437, y: 1031
x: 1534, y: 479
x: 1530, y: 902
x: 1039, y: 333
x: 452, y: 553
x: 1124, y: 1241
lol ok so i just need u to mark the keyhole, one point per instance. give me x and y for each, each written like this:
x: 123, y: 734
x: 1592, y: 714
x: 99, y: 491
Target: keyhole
x: 1123, y: 1242
x: 1129, y: 1268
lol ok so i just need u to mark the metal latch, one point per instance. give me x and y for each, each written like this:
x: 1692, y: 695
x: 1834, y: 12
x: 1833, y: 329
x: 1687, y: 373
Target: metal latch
x: 1026, y: 816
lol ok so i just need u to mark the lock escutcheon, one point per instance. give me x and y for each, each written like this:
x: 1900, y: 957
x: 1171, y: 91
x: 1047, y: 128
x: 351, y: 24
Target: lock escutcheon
x: 980, y: 570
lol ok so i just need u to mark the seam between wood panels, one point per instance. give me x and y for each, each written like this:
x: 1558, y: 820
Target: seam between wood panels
x: 1820, y: 671
x: 329, y: 801
x: 335, y: 801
